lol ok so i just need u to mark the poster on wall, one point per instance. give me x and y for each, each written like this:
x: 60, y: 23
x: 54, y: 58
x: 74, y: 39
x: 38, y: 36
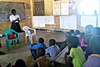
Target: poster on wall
x: 73, y: 6
x: 68, y: 22
x: 40, y: 21
x: 49, y: 19
x: 86, y: 20
x: 56, y: 10
x: 35, y: 21
x: 64, y: 8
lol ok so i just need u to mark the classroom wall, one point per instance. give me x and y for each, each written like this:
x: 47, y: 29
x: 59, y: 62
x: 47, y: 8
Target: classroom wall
x: 28, y: 14
x: 73, y: 10
x: 48, y: 7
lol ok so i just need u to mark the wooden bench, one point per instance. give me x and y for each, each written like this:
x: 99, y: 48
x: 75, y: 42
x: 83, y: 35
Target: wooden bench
x: 60, y: 57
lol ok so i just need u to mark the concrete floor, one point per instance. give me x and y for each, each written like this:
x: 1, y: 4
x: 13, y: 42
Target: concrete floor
x: 23, y: 52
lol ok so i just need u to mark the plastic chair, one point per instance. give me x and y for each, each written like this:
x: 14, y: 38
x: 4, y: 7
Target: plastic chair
x: 29, y: 33
x: 8, y: 31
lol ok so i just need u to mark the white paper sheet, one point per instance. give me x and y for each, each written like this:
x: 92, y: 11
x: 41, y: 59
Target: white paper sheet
x: 64, y: 8
x: 41, y: 21
x: 56, y: 10
x: 35, y: 21
x: 49, y: 19
x: 86, y: 20
x: 68, y: 22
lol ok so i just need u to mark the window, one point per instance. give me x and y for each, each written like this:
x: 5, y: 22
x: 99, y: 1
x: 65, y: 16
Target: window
x: 89, y: 7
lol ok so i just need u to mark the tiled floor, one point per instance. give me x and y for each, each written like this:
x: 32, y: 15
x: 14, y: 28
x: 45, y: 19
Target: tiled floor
x: 23, y: 52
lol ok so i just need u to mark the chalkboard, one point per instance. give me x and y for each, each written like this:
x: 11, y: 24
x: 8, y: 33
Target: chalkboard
x: 6, y: 7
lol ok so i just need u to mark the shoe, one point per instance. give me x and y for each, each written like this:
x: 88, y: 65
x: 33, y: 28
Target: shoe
x: 2, y: 53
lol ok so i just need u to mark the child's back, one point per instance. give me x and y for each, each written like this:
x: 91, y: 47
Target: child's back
x: 53, y: 50
x: 78, y: 56
x: 43, y: 60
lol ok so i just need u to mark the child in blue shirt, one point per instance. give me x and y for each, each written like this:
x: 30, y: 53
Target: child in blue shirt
x: 38, y: 45
x: 34, y: 47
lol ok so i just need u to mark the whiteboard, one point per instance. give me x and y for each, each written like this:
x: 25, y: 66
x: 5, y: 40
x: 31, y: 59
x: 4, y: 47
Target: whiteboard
x: 86, y: 20
x: 68, y: 22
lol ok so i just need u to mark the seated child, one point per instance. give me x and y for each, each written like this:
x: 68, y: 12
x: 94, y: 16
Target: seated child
x: 43, y: 60
x: 18, y: 63
x: 38, y: 45
x: 94, y: 58
x: 72, y: 32
x: 67, y: 35
x: 76, y: 56
x: 77, y: 33
x: 35, y: 46
x: 87, y: 38
x: 83, y: 46
x: 53, y: 50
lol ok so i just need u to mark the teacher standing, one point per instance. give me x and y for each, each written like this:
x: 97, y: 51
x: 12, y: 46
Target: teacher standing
x: 15, y: 19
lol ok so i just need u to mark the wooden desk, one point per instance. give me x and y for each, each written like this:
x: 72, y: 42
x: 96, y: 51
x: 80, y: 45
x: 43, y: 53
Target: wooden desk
x: 60, y: 57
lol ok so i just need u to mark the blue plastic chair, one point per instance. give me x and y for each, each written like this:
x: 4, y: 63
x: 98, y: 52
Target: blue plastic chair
x: 8, y: 31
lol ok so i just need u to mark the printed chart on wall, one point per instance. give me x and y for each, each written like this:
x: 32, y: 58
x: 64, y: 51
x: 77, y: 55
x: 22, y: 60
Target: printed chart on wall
x: 56, y: 10
x: 68, y: 22
x: 64, y: 8
x: 86, y: 20
x: 40, y: 21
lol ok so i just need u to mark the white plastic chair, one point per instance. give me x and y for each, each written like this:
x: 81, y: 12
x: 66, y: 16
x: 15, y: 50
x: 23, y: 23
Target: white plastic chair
x: 28, y: 33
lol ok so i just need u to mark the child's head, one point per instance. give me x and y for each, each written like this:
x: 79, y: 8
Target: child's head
x: 71, y: 31
x: 94, y: 44
x: 73, y: 41
x: 96, y: 31
x: 89, y: 29
x: 40, y: 52
x: 82, y: 34
x: 20, y: 63
x: 68, y: 33
x: 41, y: 40
x: 87, y: 38
x: 52, y: 42
x: 76, y: 32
